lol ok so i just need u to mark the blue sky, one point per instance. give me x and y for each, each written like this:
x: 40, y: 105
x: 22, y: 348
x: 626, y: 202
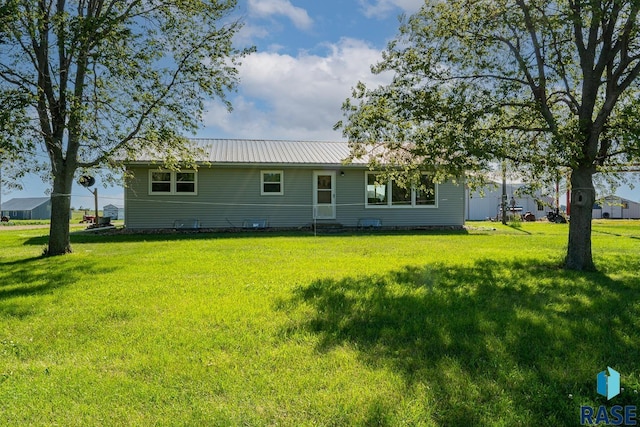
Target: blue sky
x: 310, y: 53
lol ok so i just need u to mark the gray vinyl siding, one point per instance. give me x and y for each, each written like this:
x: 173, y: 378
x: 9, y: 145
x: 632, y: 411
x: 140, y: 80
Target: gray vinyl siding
x: 227, y: 196
x: 351, y: 205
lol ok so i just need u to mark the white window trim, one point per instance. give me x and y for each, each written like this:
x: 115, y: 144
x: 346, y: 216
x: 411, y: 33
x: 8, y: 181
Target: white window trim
x: 390, y: 204
x: 268, y: 193
x: 173, y: 183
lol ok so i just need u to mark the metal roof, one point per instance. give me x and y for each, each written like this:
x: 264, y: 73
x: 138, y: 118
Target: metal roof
x: 616, y: 199
x: 24, y: 204
x: 260, y: 151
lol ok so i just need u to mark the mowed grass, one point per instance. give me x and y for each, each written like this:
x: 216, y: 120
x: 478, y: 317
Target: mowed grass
x: 476, y: 328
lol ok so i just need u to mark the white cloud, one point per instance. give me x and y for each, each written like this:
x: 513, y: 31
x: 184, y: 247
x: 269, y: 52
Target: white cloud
x: 248, y: 33
x: 383, y: 8
x: 267, y: 8
x: 295, y: 97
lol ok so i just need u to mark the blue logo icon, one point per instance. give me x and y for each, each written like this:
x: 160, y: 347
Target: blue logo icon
x: 609, y: 385
x: 617, y: 415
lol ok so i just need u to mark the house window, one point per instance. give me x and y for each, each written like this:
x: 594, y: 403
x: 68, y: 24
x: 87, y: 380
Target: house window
x: 161, y: 182
x: 185, y: 182
x: 173, y: 182
x: 400, y: 196
x: 540, y: 205
x: 271, y: 183
x: 376, y: 192
x: 390, y: 194
x: 426, y: 194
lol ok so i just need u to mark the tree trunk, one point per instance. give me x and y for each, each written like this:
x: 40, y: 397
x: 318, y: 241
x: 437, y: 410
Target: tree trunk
x: 59, y: 242
x: 579, y: 255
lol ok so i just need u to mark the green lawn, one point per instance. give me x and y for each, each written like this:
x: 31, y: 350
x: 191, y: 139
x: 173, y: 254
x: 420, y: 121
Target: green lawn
x: 476, y: 328
x: 76, y: 217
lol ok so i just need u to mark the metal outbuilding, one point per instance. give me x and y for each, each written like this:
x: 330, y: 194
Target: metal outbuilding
x: 113, y: 211
x: 616, y: 207
x: 27, y: 208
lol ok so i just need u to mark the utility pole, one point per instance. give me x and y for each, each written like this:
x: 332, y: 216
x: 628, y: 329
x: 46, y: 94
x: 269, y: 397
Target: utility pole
x: 504, y: 193
x: 87, y: 181
x: 95, y: 200
x: 557, y: 201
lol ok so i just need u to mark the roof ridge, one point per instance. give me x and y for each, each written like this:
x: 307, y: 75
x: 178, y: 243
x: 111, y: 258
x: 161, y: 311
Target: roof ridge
x: 269, y: 140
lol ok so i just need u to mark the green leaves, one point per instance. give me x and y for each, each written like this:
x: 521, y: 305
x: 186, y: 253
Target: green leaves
x: 115, y: 71
x: 89, y: 81
x: 550, y: 86
x: 506, y: 79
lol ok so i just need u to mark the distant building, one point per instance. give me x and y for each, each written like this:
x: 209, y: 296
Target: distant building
x: 27, y: 208
x: 486, y: 204
x: 113, y: 211
x: 616, y: 207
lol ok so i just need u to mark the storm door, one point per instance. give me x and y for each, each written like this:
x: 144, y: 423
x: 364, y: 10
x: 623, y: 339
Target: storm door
x: 324, y: 195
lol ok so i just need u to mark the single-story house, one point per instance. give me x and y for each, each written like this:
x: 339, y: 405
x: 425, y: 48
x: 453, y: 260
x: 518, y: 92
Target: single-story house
x: 113, y: 211
x: 282, y: 184
x: 27, y: 208
x: 616, y: 207
x: 487, y: 203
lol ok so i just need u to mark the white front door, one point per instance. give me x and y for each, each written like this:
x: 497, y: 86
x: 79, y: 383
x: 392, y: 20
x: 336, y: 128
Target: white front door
x: 324, y: 195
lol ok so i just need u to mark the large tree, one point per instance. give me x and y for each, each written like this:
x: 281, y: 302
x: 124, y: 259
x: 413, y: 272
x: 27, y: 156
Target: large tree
x: 86, y: 81
x: 550, y: 85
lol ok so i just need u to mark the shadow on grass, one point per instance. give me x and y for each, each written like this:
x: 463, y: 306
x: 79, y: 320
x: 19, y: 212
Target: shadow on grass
x: 120, y: 236
x: 507, y: 341
x: 610, y: 233
x: 37, y: 276
x: 516, y: 226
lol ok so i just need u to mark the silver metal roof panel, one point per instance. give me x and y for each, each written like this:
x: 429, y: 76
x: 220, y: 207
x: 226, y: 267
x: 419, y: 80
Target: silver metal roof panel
x: 24, y: 203
x: 259, y: 151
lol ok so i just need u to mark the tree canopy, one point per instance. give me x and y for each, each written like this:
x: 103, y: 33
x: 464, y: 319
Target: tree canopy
x: 83, y: 80
x: 550, y: 86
